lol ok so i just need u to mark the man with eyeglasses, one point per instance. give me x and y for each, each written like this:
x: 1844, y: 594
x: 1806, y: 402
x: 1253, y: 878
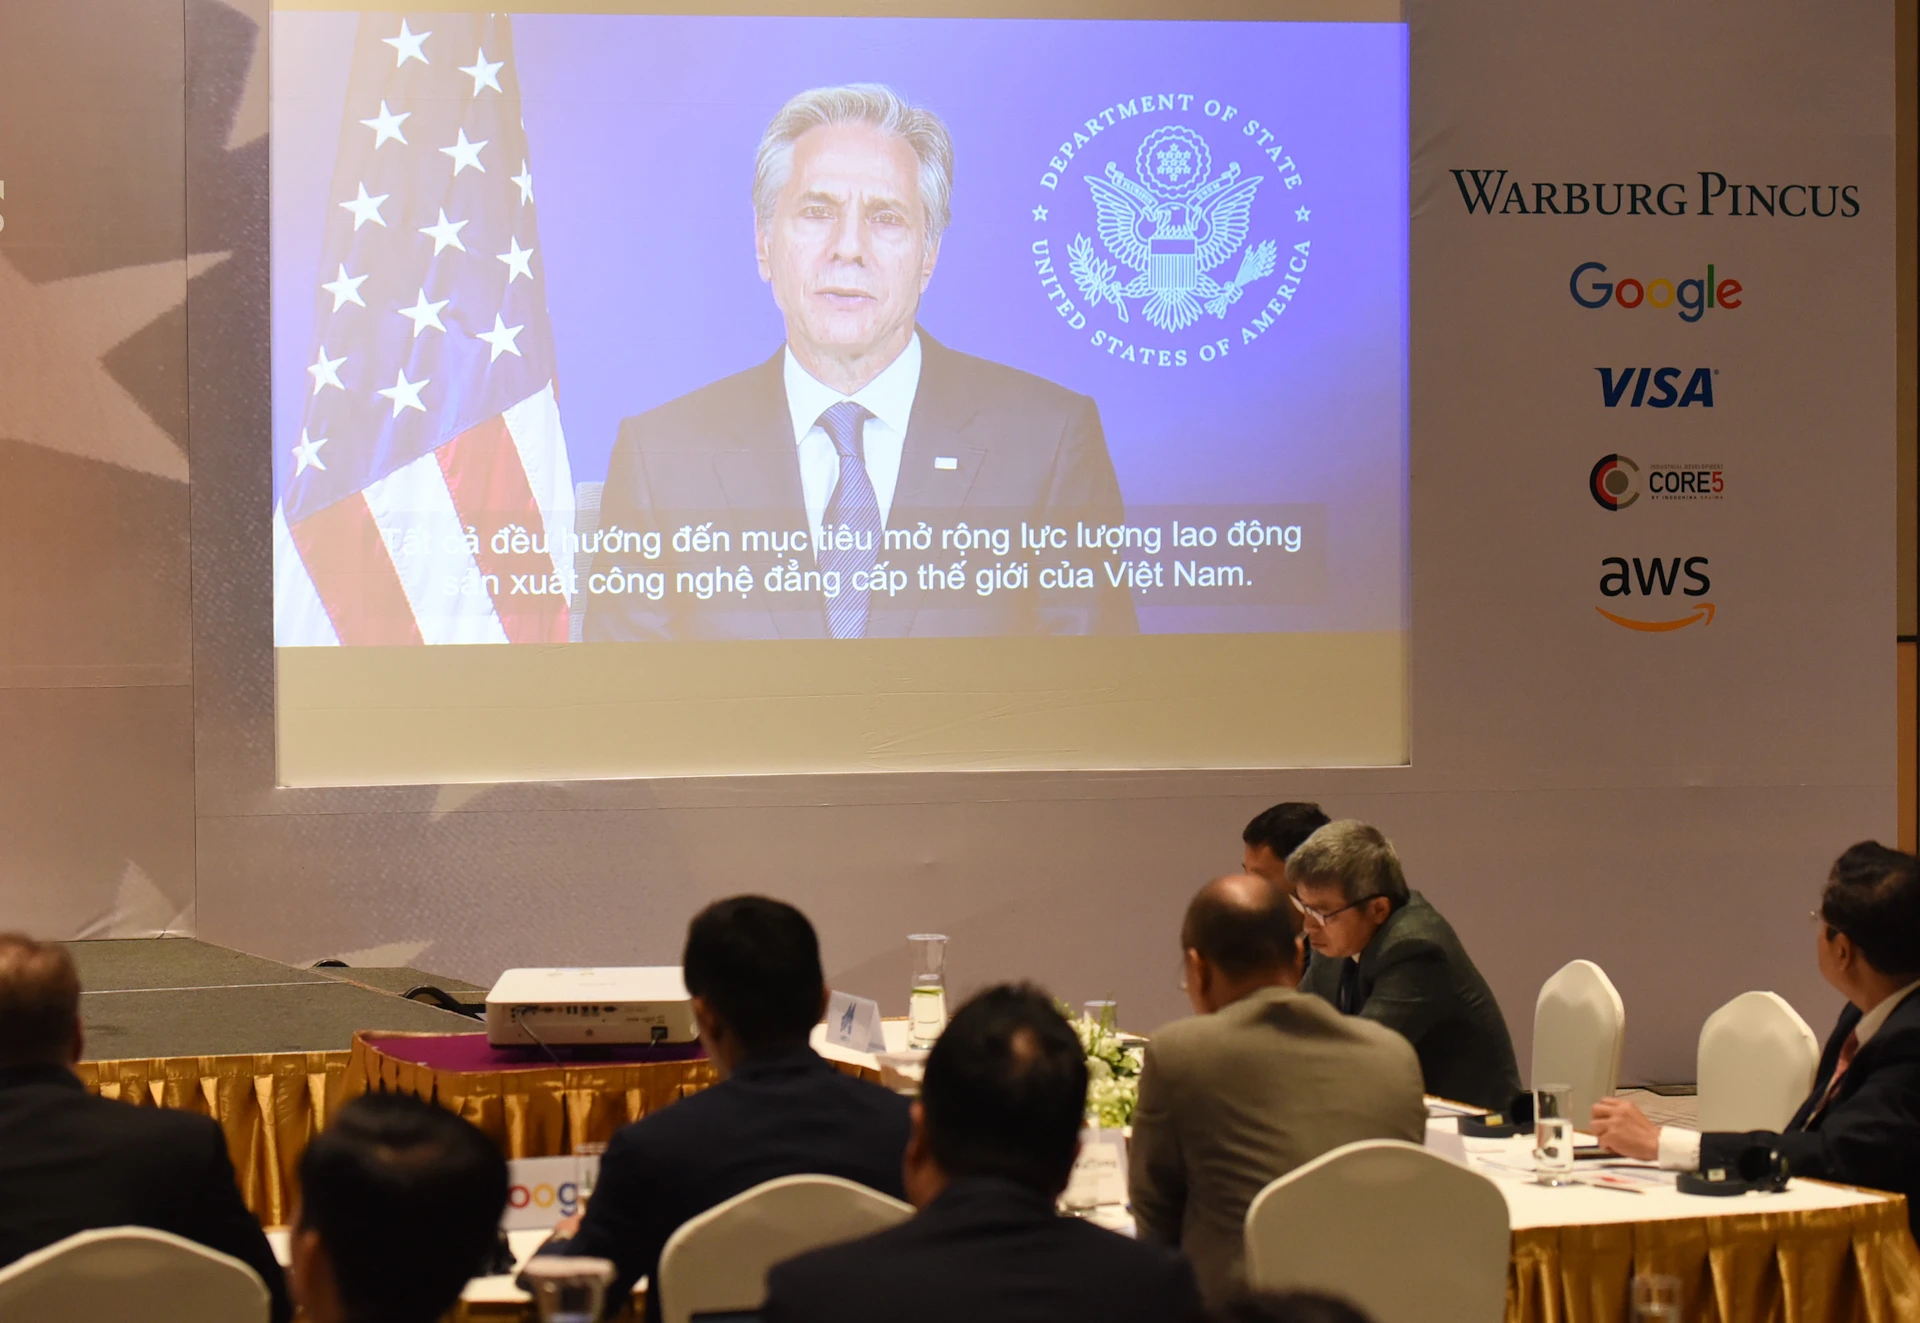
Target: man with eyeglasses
x: 1384, y: 953
x: 1860, y: 1124
x: 1260, y: 1080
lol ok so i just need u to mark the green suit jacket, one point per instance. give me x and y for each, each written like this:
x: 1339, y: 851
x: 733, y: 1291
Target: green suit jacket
x: 1416, y: 977
x: 1233, y: 1100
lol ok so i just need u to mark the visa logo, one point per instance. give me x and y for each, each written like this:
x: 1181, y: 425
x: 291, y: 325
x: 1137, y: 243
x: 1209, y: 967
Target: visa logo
x: 1664, y: 392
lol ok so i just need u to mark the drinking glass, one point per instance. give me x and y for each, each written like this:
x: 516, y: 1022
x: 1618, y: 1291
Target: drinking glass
x: 567, y: 1290
x: 927, y: 1002
x: 586, y: 1168
x: 1105, y: 1014
x: 1656, y: 1299
x: 1553, y: 1134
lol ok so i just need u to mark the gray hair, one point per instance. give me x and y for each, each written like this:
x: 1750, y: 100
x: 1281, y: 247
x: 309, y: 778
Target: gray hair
x: 1353, y: 855
x: 858, y: 103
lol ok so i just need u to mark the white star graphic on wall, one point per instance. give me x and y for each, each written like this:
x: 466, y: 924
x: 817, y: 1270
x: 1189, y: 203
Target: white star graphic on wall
x: 424, y: 314
x: 483, y: 73
x: 500, y: 338
x: 444, y: 235
x: 345, y: 289
x: 465, y: 154
x: 58, y: 394
x: 519, y: 260
x: 386, y: 126
x: 326, y: 371
x: 366, y: 209
x: 406, y: 46
x: 525, y: 180
x: 307, y: 454
x: 405, y: 394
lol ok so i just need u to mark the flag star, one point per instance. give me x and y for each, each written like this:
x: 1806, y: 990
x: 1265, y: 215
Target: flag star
x: 326, y: 371
x: 424, y: 314
x: 500, y: 338
x: 405, y: 394
x: 406, y: 46
x: 445, y: 234
x: 525, y: 180
x: 519, y: 260
x: 465, y: 154
x: 1039, y: 213
x: 307, y: 454
x: 345, y: 289
x: 386, y: 126
x: 366, y: 209
x: 1301, y: 213
x: 483, y: 73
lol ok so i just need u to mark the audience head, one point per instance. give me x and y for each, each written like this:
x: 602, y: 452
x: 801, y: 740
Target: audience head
x: 1274, y: 835
x: 752, y: 966
x: 1870, y: 921
x: 39, y: 1003
x: 399, y: 1204
x: 1004, y: 1095
x: 1346, y: 882
x: 1285, y: 1307
x: 1241, y: 934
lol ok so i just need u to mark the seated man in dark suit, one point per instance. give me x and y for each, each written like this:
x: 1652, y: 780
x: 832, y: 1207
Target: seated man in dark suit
x: 72, y: 1162
x: 1382, y: 951
x: 753, y: 967
x: 861, y: 430
x: 400, y: 1205
x: 995, y: 1133
x: 1861, y: 1123
x: 1275, y: 834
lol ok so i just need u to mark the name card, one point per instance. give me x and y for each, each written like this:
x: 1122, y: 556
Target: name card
x: 854, y: 1023
x: 541, y: 1191
x: 1100, y: 1172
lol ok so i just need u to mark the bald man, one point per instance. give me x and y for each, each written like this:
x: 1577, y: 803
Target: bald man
x: 1261, y: 1079
x: 71, y: 1162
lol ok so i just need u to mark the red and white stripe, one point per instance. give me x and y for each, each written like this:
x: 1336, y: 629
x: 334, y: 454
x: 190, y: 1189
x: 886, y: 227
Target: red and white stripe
x: 447, y: 549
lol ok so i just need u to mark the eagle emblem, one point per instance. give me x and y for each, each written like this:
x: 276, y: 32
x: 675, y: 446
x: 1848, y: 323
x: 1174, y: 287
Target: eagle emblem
x: 1171, y: 227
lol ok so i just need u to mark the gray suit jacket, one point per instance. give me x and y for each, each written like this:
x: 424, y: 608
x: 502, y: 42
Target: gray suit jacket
x: 1416, y: 977
x: 1233, y: 1100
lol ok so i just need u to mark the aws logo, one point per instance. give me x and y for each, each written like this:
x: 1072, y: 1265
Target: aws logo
x: 1665, y: 393
x: 1620, y: 578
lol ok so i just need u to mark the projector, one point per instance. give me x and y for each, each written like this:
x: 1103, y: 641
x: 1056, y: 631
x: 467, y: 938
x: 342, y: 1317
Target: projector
x: 576, y: 1007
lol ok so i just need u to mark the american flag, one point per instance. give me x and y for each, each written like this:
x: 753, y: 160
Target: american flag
x: 429, y: 498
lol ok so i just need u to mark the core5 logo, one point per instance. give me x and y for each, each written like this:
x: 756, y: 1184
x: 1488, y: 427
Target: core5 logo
x: 1692, y: 296
x: 1614, y: 384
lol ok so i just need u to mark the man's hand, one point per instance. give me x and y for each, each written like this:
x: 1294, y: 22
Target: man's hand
x: 566, y: 1228
x: 1621, y: 1127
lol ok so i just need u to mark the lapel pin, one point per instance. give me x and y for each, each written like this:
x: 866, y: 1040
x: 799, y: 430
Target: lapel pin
x: 946, y: 462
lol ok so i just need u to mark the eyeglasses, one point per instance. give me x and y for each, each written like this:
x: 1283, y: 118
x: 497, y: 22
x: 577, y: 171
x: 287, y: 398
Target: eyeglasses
x: 1315, y: 916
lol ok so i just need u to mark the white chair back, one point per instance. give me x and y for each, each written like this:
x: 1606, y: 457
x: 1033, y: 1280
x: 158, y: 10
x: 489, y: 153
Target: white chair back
x: 717, y: 1263
x: 1756, y: 1064
x: 1579, y: 1030
x: 1406, y: 1235
x: 131, y: 1275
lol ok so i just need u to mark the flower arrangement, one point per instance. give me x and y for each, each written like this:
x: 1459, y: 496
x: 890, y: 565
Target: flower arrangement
x: 1113, y: 1070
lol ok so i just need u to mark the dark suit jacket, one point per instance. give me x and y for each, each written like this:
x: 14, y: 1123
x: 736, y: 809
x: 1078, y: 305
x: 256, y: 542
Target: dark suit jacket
x: 1024, y: 448
x: 1870, y: 1133
x: 71, y: 1162
x: 986, y: 1249
x: 1416, y: 977
x: 780, y: 1114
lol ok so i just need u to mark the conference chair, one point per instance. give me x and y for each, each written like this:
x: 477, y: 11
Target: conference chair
x: 717, y: 1263
x: 131, y: 1275
x: 586, y: 522
x: 1403, y: 1233
x: 1579, y: 1030
x: 1756, y: 1064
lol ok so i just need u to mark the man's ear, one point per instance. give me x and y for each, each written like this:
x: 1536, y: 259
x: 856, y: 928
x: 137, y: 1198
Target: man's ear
x: 79, y: 1048
x: 760, y: 250
x: 711, y: 1026
x: 926, y: 267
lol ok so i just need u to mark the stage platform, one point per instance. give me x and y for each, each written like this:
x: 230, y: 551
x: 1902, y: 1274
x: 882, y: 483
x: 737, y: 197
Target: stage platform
x: 180, y: 997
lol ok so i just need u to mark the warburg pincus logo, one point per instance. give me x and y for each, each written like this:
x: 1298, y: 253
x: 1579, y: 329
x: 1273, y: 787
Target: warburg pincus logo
x: 1497, y: 193
x: 1178, y: 244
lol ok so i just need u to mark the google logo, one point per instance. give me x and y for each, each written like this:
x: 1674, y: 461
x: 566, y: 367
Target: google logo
x: 1692, y: 296
x: 566, y: 1196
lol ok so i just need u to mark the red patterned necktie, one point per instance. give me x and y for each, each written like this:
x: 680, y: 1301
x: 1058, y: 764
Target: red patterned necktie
x: 1847, y: 1051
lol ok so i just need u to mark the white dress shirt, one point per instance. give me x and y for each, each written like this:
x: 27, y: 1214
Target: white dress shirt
x: 1680, y: 1147
x: 888, y: 397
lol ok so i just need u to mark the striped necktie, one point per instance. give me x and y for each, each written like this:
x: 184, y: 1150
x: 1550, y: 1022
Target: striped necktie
x: 851, y: 526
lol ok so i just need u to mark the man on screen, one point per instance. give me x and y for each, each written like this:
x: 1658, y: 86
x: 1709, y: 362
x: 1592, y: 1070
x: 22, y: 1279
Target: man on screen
x: 860, y: 426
